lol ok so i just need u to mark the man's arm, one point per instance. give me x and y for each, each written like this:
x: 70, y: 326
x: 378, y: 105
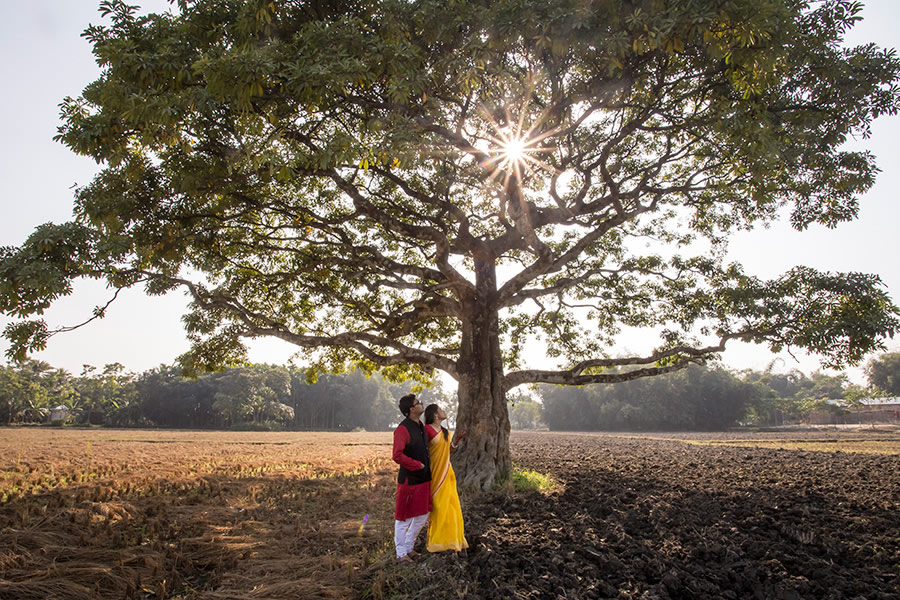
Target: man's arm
x: 401, y: 439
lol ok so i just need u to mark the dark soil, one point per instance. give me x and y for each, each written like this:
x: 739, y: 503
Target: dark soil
x: 664, y: 519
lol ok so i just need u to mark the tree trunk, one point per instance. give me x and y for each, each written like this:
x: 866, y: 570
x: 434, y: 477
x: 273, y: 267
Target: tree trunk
x: 483, y: 455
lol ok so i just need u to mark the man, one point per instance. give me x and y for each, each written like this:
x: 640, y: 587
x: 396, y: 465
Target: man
x: 414, y: 480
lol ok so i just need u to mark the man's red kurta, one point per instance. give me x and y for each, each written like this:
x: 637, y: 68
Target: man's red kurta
x: 412, y: 500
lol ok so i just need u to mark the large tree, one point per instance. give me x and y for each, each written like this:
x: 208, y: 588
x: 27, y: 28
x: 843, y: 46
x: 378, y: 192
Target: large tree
x: 411, y: 186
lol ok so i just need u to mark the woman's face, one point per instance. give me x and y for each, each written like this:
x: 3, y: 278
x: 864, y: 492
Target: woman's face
x: 440, y: 415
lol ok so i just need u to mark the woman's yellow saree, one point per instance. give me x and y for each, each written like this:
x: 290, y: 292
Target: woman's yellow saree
x: 445, y: 525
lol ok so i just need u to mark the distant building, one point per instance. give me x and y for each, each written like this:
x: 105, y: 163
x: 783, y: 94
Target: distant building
x: 59, y: 413
x: 870, y: 410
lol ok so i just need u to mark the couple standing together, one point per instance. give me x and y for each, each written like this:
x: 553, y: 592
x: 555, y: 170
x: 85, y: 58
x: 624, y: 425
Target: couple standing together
x: 426, y: 483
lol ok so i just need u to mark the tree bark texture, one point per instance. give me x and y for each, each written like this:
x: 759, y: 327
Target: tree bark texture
x: 483, y: 456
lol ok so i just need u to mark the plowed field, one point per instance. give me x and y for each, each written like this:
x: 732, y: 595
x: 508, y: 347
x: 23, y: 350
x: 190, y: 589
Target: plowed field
x: 141, y: 514
x: 661, y: 518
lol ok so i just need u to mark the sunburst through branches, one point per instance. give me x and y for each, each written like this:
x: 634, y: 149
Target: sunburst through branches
x: 514, y: 148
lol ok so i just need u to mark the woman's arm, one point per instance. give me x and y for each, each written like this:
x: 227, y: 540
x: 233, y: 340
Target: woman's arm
x: 457, y: 438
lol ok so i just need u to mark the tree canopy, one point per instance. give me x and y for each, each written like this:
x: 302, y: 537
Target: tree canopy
x: 883, y: 372
x: 411, y: 186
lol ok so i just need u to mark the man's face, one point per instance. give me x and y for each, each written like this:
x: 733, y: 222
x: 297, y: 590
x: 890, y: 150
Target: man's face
x: 416, y: 409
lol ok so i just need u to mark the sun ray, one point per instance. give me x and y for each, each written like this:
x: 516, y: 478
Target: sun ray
x: 514, y: 150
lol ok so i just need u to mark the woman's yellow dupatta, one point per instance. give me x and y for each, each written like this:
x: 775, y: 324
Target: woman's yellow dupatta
x: 445, y: 526
x: 439, y: 449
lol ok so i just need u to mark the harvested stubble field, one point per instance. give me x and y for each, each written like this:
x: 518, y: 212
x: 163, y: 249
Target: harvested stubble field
x: 190, y: 515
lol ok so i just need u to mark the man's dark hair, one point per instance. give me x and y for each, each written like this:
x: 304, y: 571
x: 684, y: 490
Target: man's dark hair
x: 406, y: 403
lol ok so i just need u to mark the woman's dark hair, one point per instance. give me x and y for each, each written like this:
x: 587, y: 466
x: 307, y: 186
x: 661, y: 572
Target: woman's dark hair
x: 430, y: 414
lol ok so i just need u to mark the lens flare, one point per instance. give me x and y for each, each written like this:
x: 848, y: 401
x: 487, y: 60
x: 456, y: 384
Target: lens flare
x: 362, y: 526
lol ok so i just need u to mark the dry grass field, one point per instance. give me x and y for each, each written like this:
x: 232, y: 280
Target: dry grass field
x: 141, y: 514
x: 177, y: 514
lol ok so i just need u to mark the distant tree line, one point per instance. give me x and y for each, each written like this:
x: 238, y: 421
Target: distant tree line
x: 268, y: 397
x: 263, y: 397
x: 695, y: 398
x: 701, y: 398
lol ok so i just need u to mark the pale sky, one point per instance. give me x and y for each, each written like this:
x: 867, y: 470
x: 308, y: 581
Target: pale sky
x: 44, y: 59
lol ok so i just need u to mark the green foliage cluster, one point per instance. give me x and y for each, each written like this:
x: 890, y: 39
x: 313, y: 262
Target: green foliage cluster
x: 525, y: 413
x: 884, y: 373
x: 790, y: 397
x: 521, y: 480
x: 29, y: 390
x: 254, y: 398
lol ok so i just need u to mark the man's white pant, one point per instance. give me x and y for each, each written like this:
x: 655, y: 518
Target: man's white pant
x: 405, y: 533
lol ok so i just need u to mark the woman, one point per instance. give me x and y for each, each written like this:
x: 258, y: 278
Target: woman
x: 445, y: 525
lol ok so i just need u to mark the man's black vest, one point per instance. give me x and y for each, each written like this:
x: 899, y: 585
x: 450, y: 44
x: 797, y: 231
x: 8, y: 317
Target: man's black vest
x: 417, y: 449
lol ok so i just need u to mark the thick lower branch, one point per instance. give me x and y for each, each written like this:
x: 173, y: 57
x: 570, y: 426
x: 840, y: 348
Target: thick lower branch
x: 256, y: 324
x: 567, y: 378
x: 681, y: 355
